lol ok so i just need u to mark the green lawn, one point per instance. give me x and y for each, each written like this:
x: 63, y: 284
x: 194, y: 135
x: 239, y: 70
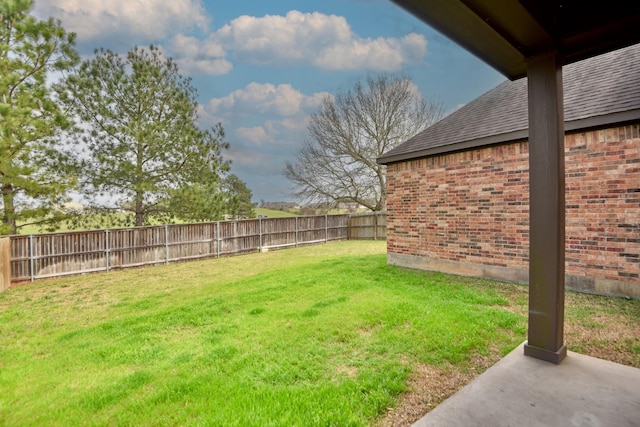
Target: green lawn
x: 118, y: 220
x: 321, y: 335
x: 272, y: 213
x: 91, y: 222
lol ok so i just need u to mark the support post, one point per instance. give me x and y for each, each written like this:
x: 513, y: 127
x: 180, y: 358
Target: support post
x: 546, y: 209
x: 5, y: 263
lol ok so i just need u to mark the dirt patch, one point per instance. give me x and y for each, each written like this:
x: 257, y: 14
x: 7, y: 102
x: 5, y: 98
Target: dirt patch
x: 348, y: 371
x: 431, y: 385
x: 609, y: 337
x: 428, y: 386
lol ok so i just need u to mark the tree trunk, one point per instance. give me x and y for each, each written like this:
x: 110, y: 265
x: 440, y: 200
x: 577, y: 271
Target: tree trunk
x: 9, y: 216
x: 139, y: 210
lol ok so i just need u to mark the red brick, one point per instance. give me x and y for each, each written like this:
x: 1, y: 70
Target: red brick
x: 473, y: 206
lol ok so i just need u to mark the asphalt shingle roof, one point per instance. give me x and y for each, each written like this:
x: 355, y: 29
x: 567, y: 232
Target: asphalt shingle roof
x: 597, y: 91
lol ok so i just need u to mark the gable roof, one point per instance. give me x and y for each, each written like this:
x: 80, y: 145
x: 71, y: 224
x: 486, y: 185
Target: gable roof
x: 598, y: 91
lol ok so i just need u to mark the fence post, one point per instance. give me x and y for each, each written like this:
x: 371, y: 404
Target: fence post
x: 31, y: 266
x: 5, y: 263
x: 375, y: 226
x: 217, y: 239
x: 212, y: 238
x: 166, y: 244
x: 260, y: 232
x: 326, y: 228
x: 296, y: 232
x: 107, y: 254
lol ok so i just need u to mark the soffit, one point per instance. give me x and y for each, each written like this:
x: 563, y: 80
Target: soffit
x: 505, y: 33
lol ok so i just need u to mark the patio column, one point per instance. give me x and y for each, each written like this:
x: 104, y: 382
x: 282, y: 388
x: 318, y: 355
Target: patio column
x: 546, y: 209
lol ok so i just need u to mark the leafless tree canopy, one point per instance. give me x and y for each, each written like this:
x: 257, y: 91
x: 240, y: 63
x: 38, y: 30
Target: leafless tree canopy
x: 338, y: 161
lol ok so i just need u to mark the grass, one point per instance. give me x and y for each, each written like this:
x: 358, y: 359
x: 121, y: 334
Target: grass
x: 119, y: 220
x: 322, y: 335
x: 91, y: 221
x: 273, y: 213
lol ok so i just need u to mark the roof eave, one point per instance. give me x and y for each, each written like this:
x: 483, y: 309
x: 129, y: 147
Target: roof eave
x: 506, y: 34
x: 458, y: 146
x: 473, y: 29
x: 617, y: 118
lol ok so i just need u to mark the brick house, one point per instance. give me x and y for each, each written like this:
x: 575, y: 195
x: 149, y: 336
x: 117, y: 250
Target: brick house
x: 458, y: 195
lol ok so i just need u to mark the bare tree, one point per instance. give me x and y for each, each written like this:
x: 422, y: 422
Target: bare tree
x: 349, y: 132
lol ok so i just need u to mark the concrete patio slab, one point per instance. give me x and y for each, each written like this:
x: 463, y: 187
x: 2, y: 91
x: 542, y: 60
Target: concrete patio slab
x: 521, y: 391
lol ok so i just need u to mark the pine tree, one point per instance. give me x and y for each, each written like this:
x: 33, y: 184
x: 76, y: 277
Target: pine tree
x: 35, y: 175
x: 238, y: 198
x: 145, y: 152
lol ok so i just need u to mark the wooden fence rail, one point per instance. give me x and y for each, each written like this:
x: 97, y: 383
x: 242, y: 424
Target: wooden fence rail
x: 39, y: 256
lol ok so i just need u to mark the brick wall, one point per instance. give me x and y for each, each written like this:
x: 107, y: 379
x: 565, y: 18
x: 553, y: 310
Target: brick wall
x: 468, y: 212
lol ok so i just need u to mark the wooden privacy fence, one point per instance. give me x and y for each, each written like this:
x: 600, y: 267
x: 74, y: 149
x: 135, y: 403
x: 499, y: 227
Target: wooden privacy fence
x: 368, y: 226
x: 58, y: 254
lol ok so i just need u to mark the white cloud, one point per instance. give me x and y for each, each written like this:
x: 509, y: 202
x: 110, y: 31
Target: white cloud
x: 268, y: 123
x: 207, y: 119
x: 294, y: 124
x: 256, y: 135
x: 377, y: 55
x: 194, y: 56
x: 295, y: 39
x: 144, y: 20
x: 325, y: 41
x: 266, y: 99
x: 281, y: 129
x: 249, y: 159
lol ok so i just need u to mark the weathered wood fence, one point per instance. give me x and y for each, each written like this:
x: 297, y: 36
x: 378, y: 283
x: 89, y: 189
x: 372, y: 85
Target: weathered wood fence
x: 368, y: 226
x: 58, y: 254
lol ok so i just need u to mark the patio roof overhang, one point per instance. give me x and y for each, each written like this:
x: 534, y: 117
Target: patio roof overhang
x: 535, y: 38
x: 506, y: 33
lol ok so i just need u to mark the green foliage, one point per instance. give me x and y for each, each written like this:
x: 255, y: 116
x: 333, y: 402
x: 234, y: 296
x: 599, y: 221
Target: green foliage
x: 146, y: 153
x: 238, y: 195
x: 95, y: 218
x: 35, y: 174
x: 323, y: 335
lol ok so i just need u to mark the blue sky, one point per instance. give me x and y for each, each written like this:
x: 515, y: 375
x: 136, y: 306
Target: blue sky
x: 262, y: 66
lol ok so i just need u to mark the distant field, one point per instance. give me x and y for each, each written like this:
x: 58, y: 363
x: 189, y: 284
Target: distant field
x: 319, y: 335
x: 91, y: 222
x: 98, y: 222
x: 272, y: 213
